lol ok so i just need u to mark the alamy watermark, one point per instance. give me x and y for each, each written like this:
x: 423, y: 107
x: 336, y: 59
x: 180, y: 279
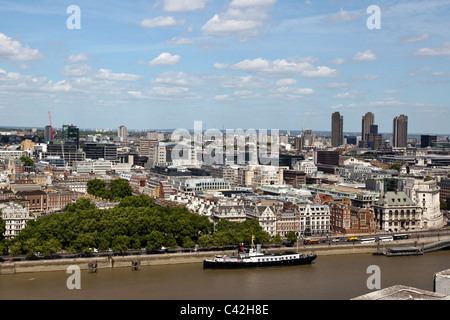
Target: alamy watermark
x: 232, y: 146
x: 74, y: 21
x: 74, y: 281
x: 374, y: 21
x: 374, y: 281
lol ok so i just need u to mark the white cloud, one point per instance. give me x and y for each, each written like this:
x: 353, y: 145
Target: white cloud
x: 321, y: 72
x: 364, y: 56
x: 178, y: 79
x: 180, y: 41
x: 391, y: 91
x: 281, y: 68
x: 304, y: 91
x: 337, y: 85
x: 105, y: 74
x: 243, y: 18
x: 77, y: 70
x: 367, y: 77
x: 419, y: 38
x: 164, y: 59
x: 286, y: 82
x: 349, y: 95
x: 429, y: 52
x: 136, y: 94
x: 78, y: 58
x: 184, y: 5
x: 14, y: 51
x: 337, y: 61
x: 61, y: 86
x: 341, y: 16
x: 161, y: 22
x: 251, y: 3
x: 418, y: 72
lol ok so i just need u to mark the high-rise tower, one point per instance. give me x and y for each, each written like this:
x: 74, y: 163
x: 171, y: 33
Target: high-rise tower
x: 400, y: 132
x: 367, y: 121
x: 337, y: 132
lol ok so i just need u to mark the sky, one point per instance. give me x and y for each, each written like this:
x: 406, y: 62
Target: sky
x: 261, y: 64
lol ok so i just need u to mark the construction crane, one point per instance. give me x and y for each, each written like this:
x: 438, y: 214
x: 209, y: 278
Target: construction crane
x: 51, y: 127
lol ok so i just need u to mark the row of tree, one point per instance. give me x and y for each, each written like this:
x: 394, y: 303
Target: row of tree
x: 137, y: 222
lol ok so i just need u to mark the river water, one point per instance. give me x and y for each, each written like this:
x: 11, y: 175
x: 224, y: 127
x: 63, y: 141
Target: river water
x: 334, y: 277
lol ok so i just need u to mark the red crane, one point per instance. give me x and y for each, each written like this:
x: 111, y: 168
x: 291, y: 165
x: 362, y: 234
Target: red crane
x: 51, y: 127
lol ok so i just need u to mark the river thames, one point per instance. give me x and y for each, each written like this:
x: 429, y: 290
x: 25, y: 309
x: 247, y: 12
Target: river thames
x: 332, y: 277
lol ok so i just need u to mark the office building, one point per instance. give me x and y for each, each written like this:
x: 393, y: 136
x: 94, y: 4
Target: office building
x: 367, y: 121
x: 100, y: 151
x: 48, y: 134
x: 400, y: 132
x: 122, y: 133
x: 71, y: 133
x: 337, y: 127
x: 426, y: 140
x: 68, y: 151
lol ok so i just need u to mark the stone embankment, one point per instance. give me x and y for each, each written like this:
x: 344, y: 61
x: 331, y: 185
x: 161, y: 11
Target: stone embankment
x: 192, y: 257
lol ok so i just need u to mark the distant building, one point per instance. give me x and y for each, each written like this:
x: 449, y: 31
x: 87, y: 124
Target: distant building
x: 400, y: 132
x: 337, y: 129
x: 71, y: 133
x: 106, y: 151
x: 294, y: 178
x: 426, y: 140
x: 367, y: 121
x: 48, y: 134
x: 122, y: 133
x: 444, y: 186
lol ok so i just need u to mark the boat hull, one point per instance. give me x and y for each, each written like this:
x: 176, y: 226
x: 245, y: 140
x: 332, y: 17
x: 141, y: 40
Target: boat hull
x: 212, y: 264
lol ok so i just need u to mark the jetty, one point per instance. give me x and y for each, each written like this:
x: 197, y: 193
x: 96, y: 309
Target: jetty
x: 414, y: 250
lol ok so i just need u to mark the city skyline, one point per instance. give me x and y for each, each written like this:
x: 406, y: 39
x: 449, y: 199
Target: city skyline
x: 230, y: 64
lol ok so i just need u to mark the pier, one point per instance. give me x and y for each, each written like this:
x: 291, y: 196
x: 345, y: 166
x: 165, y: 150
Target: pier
x: 415, y: 250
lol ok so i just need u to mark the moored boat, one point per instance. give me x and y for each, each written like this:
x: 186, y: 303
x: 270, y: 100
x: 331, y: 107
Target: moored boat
x: 256, y: 259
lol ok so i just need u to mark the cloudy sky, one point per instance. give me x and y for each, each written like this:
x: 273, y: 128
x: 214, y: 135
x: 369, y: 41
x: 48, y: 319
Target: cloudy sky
x: 263, y: 64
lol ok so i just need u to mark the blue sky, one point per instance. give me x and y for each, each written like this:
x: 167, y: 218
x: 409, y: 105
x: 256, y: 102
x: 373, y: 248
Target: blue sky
x: 263, y: 64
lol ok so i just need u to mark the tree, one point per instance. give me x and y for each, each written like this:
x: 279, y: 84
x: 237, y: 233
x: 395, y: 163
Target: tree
x: 204, y: 241
x: 51, y: 246
x: 291, y: 236
x: 188, y: 243
x: 27, y: 161
x: 277, y: 239
x: 120, y: 243
x: 444, y: 205
x: 96, y: 187
x: 396, y: 166
x: 155, y: 240
x: 119, y: 188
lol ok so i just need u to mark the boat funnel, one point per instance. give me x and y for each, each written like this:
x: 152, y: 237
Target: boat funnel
x: 258, y: 248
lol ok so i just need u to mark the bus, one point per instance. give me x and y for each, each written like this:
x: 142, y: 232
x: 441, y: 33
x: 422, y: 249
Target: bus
x: 381, y: 239
x: 367, y: 240
x: 401, y: 236
x: 311, y: 241
x: 352, y: 239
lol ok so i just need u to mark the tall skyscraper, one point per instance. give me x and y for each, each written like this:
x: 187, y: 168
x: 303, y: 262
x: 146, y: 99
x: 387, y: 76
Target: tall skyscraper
x: 71, y: 133
x: 122, y: 133
x: 48, y: 134
x: 337, y: 129
x: 367, y: 121
x: 400, y: 132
